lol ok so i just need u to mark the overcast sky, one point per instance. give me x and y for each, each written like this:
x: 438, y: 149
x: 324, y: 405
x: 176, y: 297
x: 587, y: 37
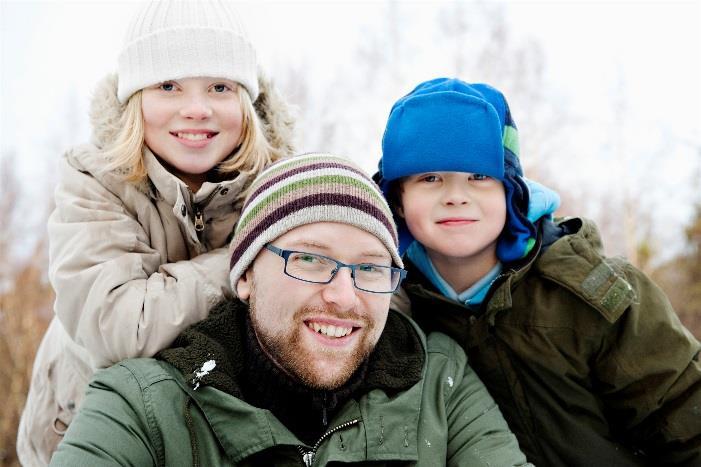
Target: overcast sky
x: 53, y: 52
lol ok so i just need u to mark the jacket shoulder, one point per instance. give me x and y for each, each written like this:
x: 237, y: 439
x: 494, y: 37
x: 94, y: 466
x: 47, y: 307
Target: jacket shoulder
x: 439, y: 343
x: 145, y: 372
x: 577, y: 263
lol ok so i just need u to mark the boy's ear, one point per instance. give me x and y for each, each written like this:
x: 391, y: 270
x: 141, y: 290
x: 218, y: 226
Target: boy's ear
x: 399, y: 210
x: 243, y: 286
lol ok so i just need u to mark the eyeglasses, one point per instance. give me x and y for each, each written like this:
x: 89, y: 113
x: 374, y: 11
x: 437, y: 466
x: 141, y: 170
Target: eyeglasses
x: 319, y: 269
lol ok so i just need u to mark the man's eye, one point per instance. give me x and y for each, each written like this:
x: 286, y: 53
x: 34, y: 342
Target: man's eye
x: 167, y: 86
x: 367, y: 267
x: 303, y: 258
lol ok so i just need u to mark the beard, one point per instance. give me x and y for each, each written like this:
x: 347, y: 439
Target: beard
x: 286, y: 348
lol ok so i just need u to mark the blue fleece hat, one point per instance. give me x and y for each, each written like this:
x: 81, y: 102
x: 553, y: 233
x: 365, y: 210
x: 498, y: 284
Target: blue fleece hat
x: 448, y: 125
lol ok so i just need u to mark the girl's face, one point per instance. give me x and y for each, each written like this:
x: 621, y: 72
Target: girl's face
x: 455, y: 215
x: 192, y: 124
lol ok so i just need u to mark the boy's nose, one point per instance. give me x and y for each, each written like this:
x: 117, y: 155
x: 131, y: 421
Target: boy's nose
x: 456, y: 195
x: 196, y: 108
x: 340, y: 291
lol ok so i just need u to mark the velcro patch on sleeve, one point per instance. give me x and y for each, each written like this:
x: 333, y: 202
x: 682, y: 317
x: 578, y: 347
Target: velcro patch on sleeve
x: 607, y: 291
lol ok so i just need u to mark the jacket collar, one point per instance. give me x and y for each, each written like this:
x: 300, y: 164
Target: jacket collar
x: 568, y: 253
x: 388, y: 416
x: 172, y: 190
x: 386, y: 426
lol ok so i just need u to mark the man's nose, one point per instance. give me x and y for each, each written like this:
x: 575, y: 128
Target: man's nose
x: 340, y: 291
x: 196, y: 107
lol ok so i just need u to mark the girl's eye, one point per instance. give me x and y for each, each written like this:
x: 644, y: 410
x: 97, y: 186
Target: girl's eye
x: 167, y: 87
x: 220, y: 87
x: 480, y: 177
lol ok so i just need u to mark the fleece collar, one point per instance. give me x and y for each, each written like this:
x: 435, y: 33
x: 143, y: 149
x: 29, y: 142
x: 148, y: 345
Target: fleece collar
x: 395, y: 364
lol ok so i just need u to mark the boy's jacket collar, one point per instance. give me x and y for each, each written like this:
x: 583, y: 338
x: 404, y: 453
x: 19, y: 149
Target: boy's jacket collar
x: 570, y: 254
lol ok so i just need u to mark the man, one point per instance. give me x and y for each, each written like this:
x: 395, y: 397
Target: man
x: 308, y: 367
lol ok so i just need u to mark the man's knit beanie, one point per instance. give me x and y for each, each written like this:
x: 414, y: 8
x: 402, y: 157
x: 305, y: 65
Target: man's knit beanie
x: 175, y: 39
x: 303, y: 190
x: 448, y: 125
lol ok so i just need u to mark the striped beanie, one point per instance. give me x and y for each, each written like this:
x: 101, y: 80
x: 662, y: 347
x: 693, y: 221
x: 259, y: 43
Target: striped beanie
x: 303, y: 190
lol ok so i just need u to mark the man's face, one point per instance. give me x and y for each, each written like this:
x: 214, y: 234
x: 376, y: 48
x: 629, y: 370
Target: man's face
x: 319, y: 333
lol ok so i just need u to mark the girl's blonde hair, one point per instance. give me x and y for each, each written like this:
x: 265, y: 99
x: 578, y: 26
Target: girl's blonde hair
x: 253, y: 153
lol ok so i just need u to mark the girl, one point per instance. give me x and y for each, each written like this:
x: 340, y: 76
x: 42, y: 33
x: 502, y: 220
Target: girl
x: 144, y: 213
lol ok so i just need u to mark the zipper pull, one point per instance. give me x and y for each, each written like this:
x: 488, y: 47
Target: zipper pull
x: 308, y: 458
x: 199, y: 221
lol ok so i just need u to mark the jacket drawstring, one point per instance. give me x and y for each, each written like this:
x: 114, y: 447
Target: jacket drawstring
x: 191, y: 430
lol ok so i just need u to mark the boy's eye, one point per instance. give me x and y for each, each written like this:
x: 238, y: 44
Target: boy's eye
x: 429, y: 178
x: 480, y: 177
x: 167, y: 86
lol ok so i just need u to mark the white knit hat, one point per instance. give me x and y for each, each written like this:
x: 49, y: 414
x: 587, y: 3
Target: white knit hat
x: 174, y: 39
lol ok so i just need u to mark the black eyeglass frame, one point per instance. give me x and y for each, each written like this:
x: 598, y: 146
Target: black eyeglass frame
x: 285, y: 254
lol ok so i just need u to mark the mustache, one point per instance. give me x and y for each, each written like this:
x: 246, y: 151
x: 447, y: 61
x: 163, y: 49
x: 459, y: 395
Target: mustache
x: 309, y: 311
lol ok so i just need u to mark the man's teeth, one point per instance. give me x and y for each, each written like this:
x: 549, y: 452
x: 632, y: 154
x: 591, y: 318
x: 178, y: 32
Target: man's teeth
x: 329, y: 330
x: 193, y: 136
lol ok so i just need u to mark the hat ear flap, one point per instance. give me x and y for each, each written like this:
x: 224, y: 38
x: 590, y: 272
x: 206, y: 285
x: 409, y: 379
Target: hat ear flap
x: 519, y: 234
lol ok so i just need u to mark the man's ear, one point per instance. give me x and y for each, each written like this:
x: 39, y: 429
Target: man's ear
x: 243, y: 286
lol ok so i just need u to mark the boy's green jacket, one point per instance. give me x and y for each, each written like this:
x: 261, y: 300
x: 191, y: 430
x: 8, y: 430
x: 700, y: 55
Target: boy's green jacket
x: 584, y: 355
x: 144, y: 412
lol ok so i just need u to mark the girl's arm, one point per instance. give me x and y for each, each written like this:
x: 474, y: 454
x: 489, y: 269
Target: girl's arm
x: 115, y: 295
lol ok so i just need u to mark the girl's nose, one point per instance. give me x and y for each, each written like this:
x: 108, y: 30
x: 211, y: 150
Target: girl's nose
x: 196, y: 108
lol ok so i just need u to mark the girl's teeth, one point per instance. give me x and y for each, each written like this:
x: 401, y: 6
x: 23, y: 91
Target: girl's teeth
x: 193, y: 136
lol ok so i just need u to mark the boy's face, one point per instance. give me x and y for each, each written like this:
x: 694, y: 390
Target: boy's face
x: 455, y: 215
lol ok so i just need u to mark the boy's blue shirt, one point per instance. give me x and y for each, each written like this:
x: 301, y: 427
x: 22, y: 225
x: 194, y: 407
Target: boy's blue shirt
x: 472, y: 296
x: 542, y: 202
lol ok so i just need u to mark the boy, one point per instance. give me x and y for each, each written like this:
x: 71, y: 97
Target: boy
x: 584, y: 354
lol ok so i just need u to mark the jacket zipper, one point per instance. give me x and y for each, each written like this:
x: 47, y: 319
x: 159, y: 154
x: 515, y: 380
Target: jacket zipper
x: 308, y: 455
x: 199, y: 207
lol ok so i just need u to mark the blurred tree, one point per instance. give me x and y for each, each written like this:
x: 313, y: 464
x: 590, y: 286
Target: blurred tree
x: 26, y: 301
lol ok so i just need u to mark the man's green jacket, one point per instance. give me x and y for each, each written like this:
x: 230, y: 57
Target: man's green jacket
x: 144, y: 412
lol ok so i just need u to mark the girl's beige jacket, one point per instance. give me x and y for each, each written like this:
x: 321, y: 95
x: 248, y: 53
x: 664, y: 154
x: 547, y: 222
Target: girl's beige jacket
x: 129, y: 268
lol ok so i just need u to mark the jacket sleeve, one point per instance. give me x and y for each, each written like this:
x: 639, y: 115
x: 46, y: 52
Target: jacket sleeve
x: 115, y: 295
x: 111, y: 427
x: 477, y: 432
x: 650, y: 376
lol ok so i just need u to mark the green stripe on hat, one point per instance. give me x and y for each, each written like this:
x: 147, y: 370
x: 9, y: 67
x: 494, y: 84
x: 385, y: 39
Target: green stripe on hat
x: 510, y: 139
x: 306, y: 183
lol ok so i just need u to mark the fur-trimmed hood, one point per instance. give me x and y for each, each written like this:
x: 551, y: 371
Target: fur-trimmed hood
x: 275, y: 113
